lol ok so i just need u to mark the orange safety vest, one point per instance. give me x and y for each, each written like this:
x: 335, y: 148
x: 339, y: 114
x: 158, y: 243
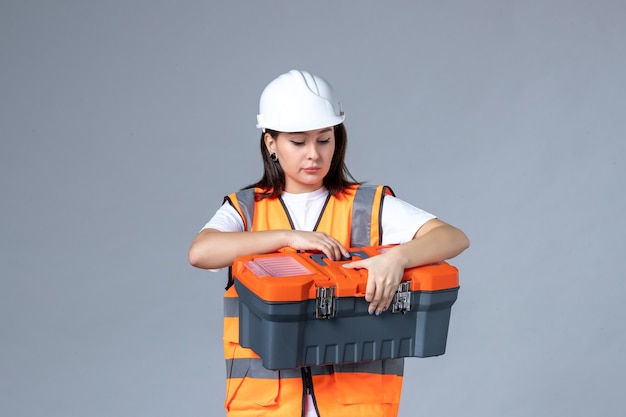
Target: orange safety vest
x: 345, y: 390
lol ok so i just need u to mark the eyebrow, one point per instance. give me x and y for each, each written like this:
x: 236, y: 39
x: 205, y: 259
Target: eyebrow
x: 328, y: 129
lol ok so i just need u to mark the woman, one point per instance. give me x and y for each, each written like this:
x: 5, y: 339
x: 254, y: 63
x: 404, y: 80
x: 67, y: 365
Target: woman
x: 308, y: 201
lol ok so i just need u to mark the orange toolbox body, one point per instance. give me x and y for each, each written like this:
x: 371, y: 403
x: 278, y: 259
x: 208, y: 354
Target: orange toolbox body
x: 302, y: 309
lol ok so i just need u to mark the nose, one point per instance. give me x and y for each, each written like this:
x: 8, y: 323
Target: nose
x: 312, y: 151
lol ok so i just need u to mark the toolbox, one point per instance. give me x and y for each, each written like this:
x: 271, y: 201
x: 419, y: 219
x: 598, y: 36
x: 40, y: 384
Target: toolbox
x: 302, y: 309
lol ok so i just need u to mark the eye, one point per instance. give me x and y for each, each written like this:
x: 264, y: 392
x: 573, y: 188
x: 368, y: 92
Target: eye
x: 324, y: 141
x: 297, y: 143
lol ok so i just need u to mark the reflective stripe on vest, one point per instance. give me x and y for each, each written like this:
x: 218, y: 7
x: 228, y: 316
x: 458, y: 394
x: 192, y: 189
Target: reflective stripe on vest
x: 231, y: 307
x: 364, y: 389
x: 253, y: 368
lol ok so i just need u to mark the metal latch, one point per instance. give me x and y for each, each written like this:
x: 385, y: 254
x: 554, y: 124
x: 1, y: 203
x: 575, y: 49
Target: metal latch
x: 402, y: 300
x: 325, y: 303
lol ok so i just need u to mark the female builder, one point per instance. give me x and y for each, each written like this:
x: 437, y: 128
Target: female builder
x: 306, y: 201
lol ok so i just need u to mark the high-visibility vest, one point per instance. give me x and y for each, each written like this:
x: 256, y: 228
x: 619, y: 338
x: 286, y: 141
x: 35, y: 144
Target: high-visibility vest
x: 360, y: 389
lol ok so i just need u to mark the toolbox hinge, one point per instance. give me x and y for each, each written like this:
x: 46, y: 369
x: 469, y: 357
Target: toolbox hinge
x: 402, y: 300
x: 325, y: 303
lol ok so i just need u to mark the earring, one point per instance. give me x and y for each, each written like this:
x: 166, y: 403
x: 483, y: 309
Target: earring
x: 273, y: 157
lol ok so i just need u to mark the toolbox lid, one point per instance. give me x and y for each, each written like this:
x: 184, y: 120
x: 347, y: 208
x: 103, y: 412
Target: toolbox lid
x: 288, y: 276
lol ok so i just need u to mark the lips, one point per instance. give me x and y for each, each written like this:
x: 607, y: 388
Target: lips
x: 312, y: 170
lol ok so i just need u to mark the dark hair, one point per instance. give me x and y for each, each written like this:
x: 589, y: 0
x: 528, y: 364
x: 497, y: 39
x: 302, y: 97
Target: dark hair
x: 338, y: 178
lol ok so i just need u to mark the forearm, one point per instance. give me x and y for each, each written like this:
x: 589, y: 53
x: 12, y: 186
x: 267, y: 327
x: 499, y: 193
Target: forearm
x: 212, y: 249
x: 438, y: 244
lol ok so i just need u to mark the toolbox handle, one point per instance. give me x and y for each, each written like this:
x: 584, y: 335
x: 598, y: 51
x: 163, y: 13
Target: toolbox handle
x: 319, y: 257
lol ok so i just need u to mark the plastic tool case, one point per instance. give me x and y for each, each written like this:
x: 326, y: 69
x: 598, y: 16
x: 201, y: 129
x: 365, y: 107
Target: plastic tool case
x: 302, y: 309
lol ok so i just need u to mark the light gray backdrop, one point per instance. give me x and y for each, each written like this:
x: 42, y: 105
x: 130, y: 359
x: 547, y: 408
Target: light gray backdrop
x: 123, y: 123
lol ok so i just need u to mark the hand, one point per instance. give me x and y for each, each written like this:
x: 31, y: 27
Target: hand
x: 319, y: 241
x: 384, y: 273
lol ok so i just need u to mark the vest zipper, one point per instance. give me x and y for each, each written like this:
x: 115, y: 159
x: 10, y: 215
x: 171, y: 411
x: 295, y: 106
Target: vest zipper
x: 307, y: 383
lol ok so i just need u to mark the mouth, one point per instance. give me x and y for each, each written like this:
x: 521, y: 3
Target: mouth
x: 312, y: 170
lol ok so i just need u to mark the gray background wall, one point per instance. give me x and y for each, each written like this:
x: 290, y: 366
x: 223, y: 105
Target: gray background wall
x: 123, y: 123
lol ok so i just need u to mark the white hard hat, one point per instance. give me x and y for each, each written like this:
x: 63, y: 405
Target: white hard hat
x: 298, y: 101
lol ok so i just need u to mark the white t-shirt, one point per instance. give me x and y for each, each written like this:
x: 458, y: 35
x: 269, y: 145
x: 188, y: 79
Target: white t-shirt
x: 400, y: 220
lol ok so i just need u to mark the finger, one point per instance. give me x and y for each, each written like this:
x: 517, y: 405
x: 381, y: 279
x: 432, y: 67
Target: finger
x: 354, y: 265
x: 328, y: 251
x: 375, y: 307
x: 340, y: 250
x: 330, y: 246
x: 370, y: 294
x: 384, y: 297
x: 388, y: 300
x: 392, y: 287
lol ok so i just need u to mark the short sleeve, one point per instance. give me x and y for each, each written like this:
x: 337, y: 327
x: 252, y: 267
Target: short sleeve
x: 401, y: 220
x: 226, y: 219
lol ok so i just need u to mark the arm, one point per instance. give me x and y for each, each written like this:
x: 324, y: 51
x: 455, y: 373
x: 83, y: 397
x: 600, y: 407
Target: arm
x: 212, y: 249
x: 435, y: 241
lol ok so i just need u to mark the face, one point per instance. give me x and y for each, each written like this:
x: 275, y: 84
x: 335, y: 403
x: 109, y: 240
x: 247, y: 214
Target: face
x: 305, y: 157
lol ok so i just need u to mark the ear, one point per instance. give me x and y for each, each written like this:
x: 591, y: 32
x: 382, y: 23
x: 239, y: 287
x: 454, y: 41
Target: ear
x: 270, y: 143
